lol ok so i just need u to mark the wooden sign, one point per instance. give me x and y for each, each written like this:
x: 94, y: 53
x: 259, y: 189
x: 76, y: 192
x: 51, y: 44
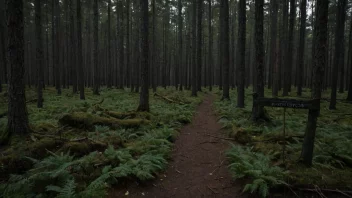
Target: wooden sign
x: 288, y: 103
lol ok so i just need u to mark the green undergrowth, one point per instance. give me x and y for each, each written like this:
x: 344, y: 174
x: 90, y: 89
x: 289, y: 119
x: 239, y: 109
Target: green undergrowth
x: 262, y: 144
x: 65, y: 157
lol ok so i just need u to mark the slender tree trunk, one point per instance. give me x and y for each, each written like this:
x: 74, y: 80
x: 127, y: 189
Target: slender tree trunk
x: 71, y: 48
x: 273, y: 41
x: 120, y: 29
x: 155, y: 71
x: 180, y: 47
x: 17, y: 109
x: 241, y: 53
x: 56, y: 45
x: 194, y: 55
x: 349, y: 96
x: 302, y: 39
x: 109, y: 65
x: 2, y: 44
x: 224, y: 6
x: 199, y: 43
x: 80, y: 75
x: 144, y: 95
x: 96, y: 48
x: 39, y: 52
x: 321, y: 33
x: 210, y: 54
x: 339, y: 46
x: 128, y: 50
x: 258, y: 111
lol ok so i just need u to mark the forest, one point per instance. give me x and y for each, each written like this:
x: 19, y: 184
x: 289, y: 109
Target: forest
x: 175, y: 98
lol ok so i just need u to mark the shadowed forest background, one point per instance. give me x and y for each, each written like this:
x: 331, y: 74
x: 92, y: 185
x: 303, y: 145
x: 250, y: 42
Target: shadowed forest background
x: 94, y: 94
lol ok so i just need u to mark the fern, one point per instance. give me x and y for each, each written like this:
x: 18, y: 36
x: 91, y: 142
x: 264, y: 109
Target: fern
x: 67, y: 191
x: 245, y: 163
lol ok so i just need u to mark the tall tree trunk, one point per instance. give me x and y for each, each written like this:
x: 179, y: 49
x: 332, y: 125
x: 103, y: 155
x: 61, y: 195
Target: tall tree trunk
x: 120, y: 30
x: 155, y: 71
x: 179, y: 68
x: 241, y: 53
x: 339, y: 46
x: 96, y: 48
x: 144, y: 95
x: 284, y: 48
x: 109, y: 65
x: 71, y: 48
x: 194, y: 55
x: 39, y: 52
x: 56, y: 45
x: 224, y: 6
x: 349, y: 96
x: 3, y: 68
x: 199, y: 43
x: 258, y: 111
x: 80, y: 74
x: 321, y: 33
x: 273, y: 41
x: 128, y: 41
x: 210, y: 54
x: 17, y: 109
x: 302, y: 39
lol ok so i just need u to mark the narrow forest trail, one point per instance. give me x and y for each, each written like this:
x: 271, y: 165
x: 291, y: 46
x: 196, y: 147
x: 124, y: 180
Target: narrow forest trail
x: 198, y: 167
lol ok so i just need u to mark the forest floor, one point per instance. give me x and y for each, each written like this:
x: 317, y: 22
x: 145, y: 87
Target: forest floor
x: 198, y: 167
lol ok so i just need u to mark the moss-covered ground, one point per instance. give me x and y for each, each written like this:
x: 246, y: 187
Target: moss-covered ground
x: 80, y: 148
x: 263, y: 144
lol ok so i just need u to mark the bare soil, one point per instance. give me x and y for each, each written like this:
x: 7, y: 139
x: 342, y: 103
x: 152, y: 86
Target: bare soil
x: 198, y: 166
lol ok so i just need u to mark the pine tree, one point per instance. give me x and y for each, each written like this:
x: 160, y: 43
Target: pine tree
x: 241, y: 53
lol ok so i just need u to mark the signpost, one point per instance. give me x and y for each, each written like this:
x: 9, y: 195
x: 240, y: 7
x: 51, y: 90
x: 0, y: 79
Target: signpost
x: 311, y: 105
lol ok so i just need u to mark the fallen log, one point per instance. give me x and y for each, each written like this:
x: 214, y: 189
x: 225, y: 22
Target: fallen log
x: 89, y: 121
x: 128, y: 115
x: 168, y: 99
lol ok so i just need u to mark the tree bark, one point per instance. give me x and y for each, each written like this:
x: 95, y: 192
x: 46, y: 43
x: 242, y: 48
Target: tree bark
x: 80, y: 74
x: 194, y: 55
x: 144, y: 95
x: 39, y: 52
x: 96, y: 48
x: 241, y: 53
x: 199, y: 43
x: 339, y: 46
x: 318, y: 76
x: 56, y: 45
x: 258, y: 111
x: 224, y: 6
x: 273, y: 45
x: 210, y: 54
x: 17, y: 109
x: 301, y: 47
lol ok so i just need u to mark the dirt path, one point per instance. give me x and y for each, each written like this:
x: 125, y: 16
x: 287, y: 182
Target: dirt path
x: 198, y: 167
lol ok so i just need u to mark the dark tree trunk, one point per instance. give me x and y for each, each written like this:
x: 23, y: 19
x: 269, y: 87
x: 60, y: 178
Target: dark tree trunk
x: 121, y: 47
x: 17, y: 109
x: 318, y: 75
x: 339, y: 46
x: 258, y: 111
x: 241, y: 53
x: 128, y: 50
x: 179, y: 69
x: 71, y: 48
x: 144, y: 95
x: 3, y: 67
x: 80, y: 74
x: 284, y: 48
x: 39, y: 52
x: 109, y: 69
x: 273, y: 50
x: 96, y: 48
x: 155, y: 71
x: 199, y: 43
x: 56, y: 45
x: 194, y: 55
x: 349, y: 96
x: 301, y: 47
x: 210, y: 54
x: 224, y: 6
x: 290, y: 51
